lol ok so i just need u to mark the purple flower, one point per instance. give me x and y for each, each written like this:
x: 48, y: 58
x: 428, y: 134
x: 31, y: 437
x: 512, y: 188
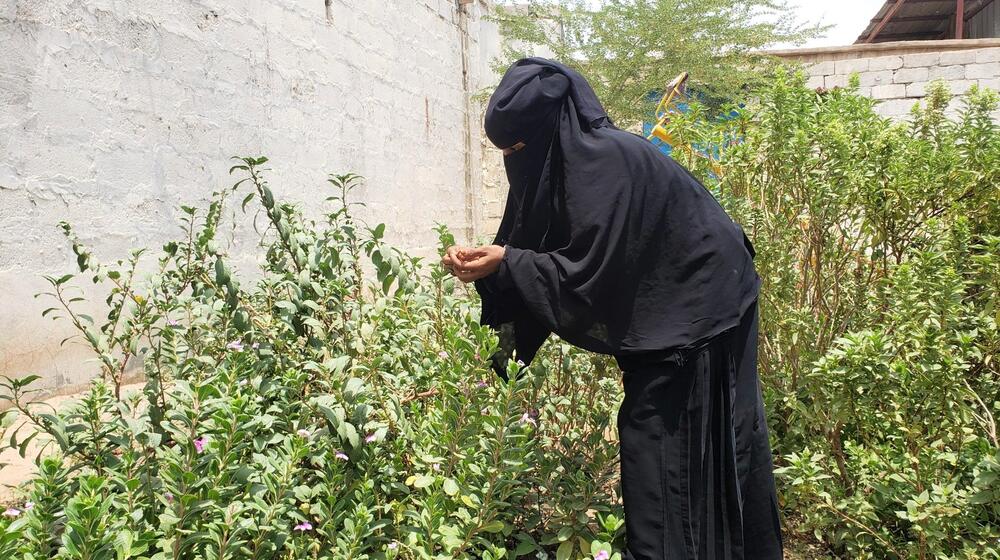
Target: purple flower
x: 172, y: 322
x: 481, y: 384
x: 303, y: 433
x: 12, y: 512
x: 341, y: 455
x: 28, y: 506
x: 255, y: 345
x: 370, y: 438
x: 526, y: 417
x: 393, y: 545
x: 200, y: 443
x: 602, y: 555
x: 436, y: 466
x: 235, y: 345
x: 443, y: 355
x: 304, y: 526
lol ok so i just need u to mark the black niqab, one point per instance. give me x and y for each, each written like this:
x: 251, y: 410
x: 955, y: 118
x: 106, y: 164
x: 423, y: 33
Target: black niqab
x: 610, y: 244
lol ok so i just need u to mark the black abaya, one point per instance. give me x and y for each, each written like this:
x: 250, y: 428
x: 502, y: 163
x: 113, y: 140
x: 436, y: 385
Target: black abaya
x: 696, y: 466
x: 617, y: 249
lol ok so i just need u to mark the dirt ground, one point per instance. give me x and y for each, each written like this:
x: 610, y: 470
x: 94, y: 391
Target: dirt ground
x: 16, y: 470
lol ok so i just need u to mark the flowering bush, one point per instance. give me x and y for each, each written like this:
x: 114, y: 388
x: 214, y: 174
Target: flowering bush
x: 313, y: 414
x: 320, y: 413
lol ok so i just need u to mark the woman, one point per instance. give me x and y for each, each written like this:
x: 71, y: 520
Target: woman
x: 619, y: 250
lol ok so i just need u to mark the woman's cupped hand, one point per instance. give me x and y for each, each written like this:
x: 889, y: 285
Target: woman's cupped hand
x: 469, y: 264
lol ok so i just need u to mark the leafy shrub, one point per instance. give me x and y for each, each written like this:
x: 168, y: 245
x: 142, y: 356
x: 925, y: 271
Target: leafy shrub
x: 878, y: 244
x: 313, y: 414
x: 320, y: 414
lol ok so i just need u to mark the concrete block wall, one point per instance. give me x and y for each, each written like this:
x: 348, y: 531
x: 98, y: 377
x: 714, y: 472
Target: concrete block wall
x: 898, y: 77
x: 113, y: 114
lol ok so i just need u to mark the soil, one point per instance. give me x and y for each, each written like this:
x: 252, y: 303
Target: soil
x: 16, y: 470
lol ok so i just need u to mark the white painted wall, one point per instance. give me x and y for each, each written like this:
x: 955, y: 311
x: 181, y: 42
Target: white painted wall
x: 113, y: 113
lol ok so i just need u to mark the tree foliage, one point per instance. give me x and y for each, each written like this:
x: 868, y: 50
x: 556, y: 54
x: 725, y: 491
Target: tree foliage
x: 632, y: 48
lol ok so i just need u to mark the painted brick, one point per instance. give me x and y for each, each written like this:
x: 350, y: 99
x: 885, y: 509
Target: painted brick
x: 993, y: 84
x: 921, y: 59
x: 815, y: 82
x: 885, y: 63
x: 988, y: 55
x: 851, y: 65
x: 949, y: 58
x: 946, y: 73
x: 876, y: 78
x: 984, y: 71
x: 889, y: 91
x: 908, y: 75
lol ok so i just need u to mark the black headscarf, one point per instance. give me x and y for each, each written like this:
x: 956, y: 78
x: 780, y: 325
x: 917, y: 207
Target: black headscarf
x: 610, y: 244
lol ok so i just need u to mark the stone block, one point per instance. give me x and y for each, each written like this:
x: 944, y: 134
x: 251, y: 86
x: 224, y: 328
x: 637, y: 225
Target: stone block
x: 876, y: 78
x: 889, y: 91
x: 946, y: 72
x: 993, y: 84
x: 894, y: 107
x: 909, y: 75
x: 916, y: 89
x: 959, y: 87
x: 836, y: 80
x: 949, y: 58
x: 984, y: 71
x: 851, y: 65
x: 821, y: 68
x: 885, y: 63
x: 988, y: 55
x: 815, y: 82
x: 921, y: 59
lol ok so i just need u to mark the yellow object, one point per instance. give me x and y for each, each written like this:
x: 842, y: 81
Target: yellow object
x: 674, y: 89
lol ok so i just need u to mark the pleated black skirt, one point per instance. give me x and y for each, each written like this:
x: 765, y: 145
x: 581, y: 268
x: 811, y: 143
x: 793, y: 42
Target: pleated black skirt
x: 696, y: 469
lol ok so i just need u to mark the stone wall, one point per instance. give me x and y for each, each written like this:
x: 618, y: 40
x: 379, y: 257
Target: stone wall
x: 113, y: 114
x: 897, y: 74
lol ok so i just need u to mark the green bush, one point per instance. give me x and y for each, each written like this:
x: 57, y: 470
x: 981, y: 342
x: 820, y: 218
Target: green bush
x: 323, y: 413
x: 313, y: 414
x: 878, y: 244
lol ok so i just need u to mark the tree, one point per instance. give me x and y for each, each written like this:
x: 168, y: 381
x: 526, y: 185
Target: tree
x: 629, y: 49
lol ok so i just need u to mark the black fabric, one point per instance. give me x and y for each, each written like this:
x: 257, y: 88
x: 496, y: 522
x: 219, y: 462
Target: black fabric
x: 696, y: 468
x: 609, y: 243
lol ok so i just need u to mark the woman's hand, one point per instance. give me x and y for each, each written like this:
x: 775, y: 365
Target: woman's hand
x: 469, y: 265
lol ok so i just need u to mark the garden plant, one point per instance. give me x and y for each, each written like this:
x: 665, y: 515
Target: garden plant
x: 341, y: 405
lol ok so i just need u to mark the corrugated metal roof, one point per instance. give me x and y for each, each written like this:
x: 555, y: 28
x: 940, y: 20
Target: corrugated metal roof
x: 916, y: 20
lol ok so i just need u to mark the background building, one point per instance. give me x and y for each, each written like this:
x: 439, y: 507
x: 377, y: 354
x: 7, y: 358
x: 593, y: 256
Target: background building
x: 909, y: 43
